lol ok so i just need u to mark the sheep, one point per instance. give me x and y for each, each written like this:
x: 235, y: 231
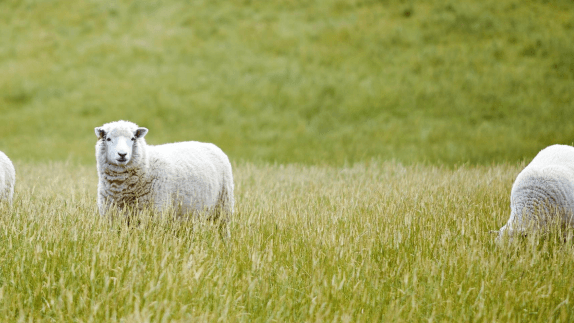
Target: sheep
x: 543, y: 193
x: 188, y: 177
x: 7, y: 178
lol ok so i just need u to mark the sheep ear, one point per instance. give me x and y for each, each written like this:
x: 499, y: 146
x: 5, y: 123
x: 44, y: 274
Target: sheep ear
x: 100, y: 132
x: 141, y: 132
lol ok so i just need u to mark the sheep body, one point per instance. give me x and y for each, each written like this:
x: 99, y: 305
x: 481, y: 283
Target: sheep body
x: 188, y: 177
x: 543, y: 192
x: 7, y: 178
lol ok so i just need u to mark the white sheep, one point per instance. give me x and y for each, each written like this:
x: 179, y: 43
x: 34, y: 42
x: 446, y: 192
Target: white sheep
x: 7, y: 178
x: 543, y: 192
x: 188, y: 177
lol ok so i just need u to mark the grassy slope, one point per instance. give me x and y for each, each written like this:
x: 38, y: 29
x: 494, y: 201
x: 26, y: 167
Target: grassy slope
x: 372, y: 242
x: 288, y: 81
x: 291, y: 81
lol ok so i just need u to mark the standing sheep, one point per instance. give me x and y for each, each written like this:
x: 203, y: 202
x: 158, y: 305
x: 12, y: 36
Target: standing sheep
x: 7, y: 178
x: 188, y: 177
x: 543, y: 193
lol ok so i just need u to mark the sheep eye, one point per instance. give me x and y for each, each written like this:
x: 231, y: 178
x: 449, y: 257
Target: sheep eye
x: 108, y: 139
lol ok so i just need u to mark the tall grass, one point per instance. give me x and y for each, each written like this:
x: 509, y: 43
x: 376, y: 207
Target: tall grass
x: 375, y: 241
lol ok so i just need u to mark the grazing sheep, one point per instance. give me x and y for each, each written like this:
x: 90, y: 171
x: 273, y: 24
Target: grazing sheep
x: 7, y: 178
x: 543, y: 192
x: 188, y: 177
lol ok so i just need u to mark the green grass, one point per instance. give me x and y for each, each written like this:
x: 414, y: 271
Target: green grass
x: 311, y: 100
x: 375, y: 241
x: 314, y: 82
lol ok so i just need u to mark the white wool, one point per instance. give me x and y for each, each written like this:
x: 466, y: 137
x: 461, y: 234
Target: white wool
x: 188, y: 177
x: 543, y: 193
x: 7, y: 178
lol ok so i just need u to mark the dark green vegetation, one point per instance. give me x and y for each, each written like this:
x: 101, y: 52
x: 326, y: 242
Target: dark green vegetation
x: 323, y: 82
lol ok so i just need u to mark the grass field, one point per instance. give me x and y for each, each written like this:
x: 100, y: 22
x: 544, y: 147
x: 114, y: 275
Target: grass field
x: 315, y: 82
x: 374, y: 145
x: 376, y: 241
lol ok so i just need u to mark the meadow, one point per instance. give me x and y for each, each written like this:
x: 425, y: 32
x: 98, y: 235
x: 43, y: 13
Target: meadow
x: 376, y: 241
x: 374, y: 144
x: 315, y: 82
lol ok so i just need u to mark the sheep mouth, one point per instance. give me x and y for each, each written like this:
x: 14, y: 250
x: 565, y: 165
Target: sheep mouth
x: 122, y: 160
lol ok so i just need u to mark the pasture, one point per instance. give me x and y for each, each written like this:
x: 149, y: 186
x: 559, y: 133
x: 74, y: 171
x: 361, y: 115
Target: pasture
x: 314, y: 82
x: 375, y: 241
x: 373, y: 142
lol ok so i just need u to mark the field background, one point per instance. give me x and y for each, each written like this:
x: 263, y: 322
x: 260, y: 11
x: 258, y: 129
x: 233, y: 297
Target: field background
x: 374, y: 144
x: 315, y: 82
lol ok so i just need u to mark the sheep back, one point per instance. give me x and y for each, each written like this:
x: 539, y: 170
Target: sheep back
x: 7, y: 178
x: 543, y: 191
x: 191, y: 176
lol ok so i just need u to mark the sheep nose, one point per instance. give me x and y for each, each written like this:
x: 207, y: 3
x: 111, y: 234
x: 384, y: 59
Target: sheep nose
x: 122, y: 154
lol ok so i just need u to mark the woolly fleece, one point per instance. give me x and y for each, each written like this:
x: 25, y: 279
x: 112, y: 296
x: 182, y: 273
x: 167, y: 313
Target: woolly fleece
x: 7, y: 178
x: 186, y: 176
x: 543, y: 192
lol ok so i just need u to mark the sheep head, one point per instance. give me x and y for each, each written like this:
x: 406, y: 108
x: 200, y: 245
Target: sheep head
x: 120, y: 141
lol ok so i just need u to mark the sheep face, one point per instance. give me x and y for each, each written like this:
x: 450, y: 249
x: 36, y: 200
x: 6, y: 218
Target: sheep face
x: 120, y: 144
